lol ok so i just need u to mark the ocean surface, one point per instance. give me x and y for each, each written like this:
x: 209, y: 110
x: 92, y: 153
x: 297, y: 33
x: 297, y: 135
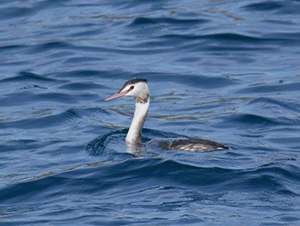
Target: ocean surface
x: 227, y: 71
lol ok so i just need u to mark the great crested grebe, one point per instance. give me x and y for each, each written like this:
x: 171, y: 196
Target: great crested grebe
x: 138, y: 88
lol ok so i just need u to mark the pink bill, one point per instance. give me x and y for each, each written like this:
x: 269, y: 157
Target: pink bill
x: 116, y: 96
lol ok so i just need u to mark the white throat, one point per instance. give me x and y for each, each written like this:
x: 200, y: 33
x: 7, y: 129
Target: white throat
x: 135, y: 131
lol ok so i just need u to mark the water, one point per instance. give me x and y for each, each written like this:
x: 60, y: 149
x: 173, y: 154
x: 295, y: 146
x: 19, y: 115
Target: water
x: 227, y: 71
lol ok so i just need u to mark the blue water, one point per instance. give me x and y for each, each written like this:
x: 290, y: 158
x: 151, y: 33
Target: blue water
x: 227, y: 71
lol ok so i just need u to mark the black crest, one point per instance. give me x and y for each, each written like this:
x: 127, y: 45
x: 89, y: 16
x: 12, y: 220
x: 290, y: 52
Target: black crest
x: 133, y: 81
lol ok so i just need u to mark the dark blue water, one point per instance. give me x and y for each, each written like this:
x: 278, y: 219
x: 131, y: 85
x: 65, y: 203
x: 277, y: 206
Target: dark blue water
x: 227, y: 71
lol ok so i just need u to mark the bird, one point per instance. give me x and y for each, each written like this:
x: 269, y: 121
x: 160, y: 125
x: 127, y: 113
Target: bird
x: 139, y: 89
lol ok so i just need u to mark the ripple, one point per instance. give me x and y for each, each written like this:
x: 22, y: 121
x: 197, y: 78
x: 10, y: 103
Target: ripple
x: 271, y: 104
x: 253, y: 121
x: 117, y: 186
x: 81, y: 86
x: 264, y: 6
x: 142, y: 21
x: 24, y: 144
x: 91, y: 73
x: 99, y: 144
x: 28, y: 77
x: 102, y: 178
x: 12, y: 47
x: 291, y: 87
x: 26, y: 97
x: 49, y: 46
x: 26, y: 9
x: 12, y: 12
x: 76, y: 60
x: 60, y: 119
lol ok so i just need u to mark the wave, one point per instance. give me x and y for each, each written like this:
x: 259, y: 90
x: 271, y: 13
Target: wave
x: 132, y: 175
x: 67, y: 117
x: 28, y: 77
x: 272, y: 88
x: 142, y: 21
x: 264, y: 6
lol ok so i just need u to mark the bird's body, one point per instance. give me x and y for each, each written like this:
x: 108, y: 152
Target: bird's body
x: 139, y: 89
x: 187, y: 144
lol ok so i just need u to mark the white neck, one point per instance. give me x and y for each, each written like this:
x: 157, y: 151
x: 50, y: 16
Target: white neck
x: 135, y: 131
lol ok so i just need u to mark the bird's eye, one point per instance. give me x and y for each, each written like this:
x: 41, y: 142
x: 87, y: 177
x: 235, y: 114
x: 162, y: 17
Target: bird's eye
x: 131, y: 87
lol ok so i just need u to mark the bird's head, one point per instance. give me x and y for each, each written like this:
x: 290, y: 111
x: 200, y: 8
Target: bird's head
x: 136, y: 87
